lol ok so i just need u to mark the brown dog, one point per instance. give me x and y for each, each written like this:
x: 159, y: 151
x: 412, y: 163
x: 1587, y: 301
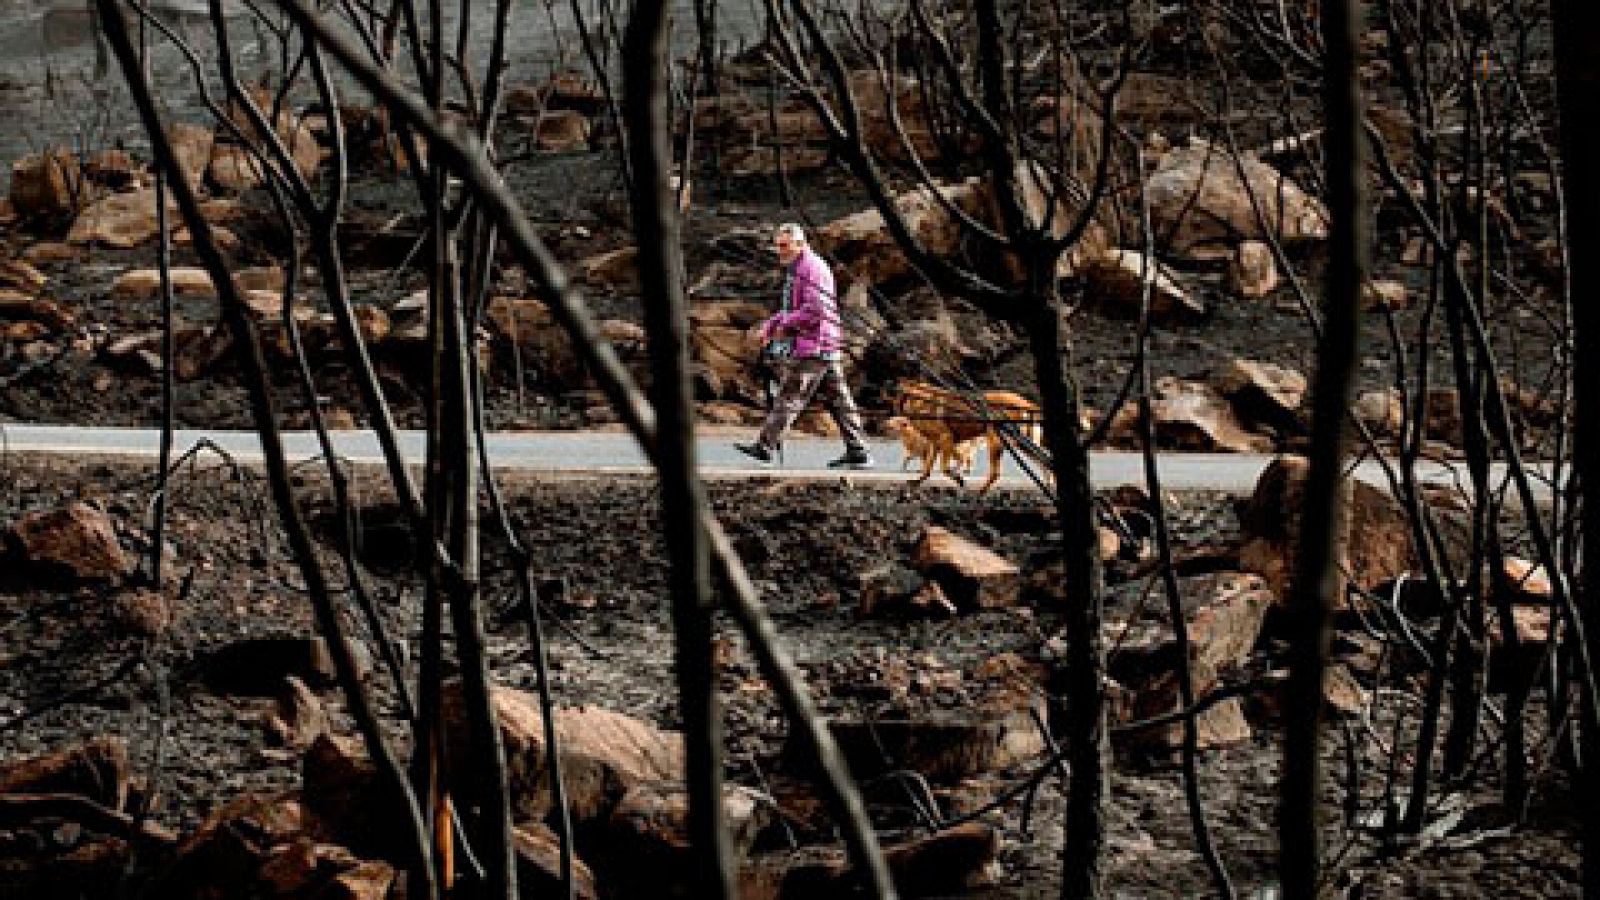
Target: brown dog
x: 918, y: 448
x: 946, y: 419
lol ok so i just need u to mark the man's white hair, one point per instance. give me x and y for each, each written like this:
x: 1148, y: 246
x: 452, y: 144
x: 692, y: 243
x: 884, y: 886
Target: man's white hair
x: 794, y: 231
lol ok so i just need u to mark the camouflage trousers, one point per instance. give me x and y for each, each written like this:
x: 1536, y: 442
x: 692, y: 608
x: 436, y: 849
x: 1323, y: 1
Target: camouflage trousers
x: 801, y: 379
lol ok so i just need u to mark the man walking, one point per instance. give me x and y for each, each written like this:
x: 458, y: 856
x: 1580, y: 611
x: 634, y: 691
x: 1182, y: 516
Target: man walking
x: 804, y: 340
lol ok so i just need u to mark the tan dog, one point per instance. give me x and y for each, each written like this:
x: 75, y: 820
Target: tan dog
x: 946, y: 419
x: 919, y: 447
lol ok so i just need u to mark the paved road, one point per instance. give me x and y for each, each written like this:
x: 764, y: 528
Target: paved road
x: 613, y: 452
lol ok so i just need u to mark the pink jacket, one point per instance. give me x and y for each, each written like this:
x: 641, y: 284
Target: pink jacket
x: 813, y: 316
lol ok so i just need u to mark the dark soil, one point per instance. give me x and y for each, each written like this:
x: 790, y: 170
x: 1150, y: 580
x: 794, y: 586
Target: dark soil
x: 806, y: 545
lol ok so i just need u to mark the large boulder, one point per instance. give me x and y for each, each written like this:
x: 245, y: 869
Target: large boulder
x: 123, y: 220
x: 145, y: 284
x: 96, y: 769
x: 1192, y: 415
x: 342, y: 791
x: 1203, y: 201
x: 1264, y: 394
x: 1223, y: 614
x: 531, y: 327
x: 972, y: 575
x: 562, y: 131
x: 191, y: 144
x: 561, y: 91
x: 1116, y: 279
x: 645, y: 848
x: 1374, y: 535
x: 258, y: 846
x: 233, y: 168
x: 48, y: 185
x: 867, y: 252
x: 603, y: 753
x: 539, y: 864
x: 258, y: 666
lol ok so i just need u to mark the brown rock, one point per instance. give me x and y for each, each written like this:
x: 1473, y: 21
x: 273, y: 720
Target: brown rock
x: 1442, y: 416
x: 341, y: 788
x: 1117, y: 279
x: 234, y: 169
x: 114, y: 169
x: 261, y: 278
x: 298, y: 716
x: 1342, y: 695
x: 121, y: 220
x: 646, y: 839
x: 616, y: 269
x: 145, y: 284
x: 96, y: 769
x: 539, y: 864
x: 48, y: 185
x: 1192, y: 415
x: 603, y: 753
x: 1221, y: 724
x: 1381, y: 411
x: 940, y: 724
x: 562, y: 131
x: 141, y: 613
x: 948, y: 863
x: 867, y: 252
x: 1201, y: 203
x: 972, y: 575
x: 229, y: 848
x: 725, y: 353
x: 545, y: 346
x: 1253, y: 273
x: 76, y: 538
x: 623, y: 333
x: 373, y: 323
x: 885, y: 587
x: 338, y: 418
x: 20, y: 275
x: 257, y: 666
x: 563, y: 90
x: 762, y: 162
x: 1381, y: 295
x: 46, y: 313
x: 288, y: 869
x: 1528, y: 579
x: 1375, y: 538
x: 1149, y: 98
x: 957, y: 859
x: 191, y: 144
x: 369, y: 880
x: 1264, y: 394
x: 1224, y: 614
x: 52, y: 251
x: 27, y: 333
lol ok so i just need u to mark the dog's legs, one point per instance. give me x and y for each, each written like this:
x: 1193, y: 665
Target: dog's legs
x: 952, y: 463
x: 929, y: 456
x: 997, y: 455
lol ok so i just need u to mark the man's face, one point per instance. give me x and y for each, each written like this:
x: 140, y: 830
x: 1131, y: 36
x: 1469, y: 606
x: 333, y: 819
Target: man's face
x: 787, y: 248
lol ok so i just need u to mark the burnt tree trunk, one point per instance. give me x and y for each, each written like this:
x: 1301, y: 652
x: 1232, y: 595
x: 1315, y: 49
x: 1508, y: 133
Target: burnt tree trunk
x: 1577, y: 32
x: 1316, y: 565
x: 1087, y: 744
x: 682, y: 497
